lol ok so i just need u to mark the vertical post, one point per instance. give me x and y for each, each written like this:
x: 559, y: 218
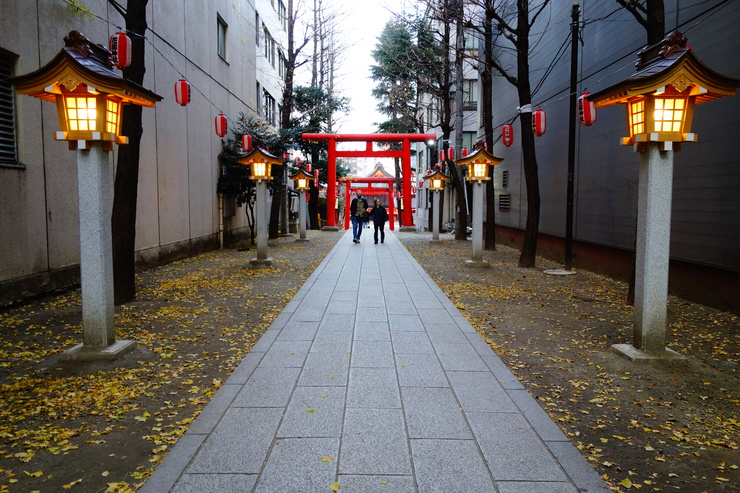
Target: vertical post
x: 653, y: 248
x: 302, y: 215
x: 435, y: 215
x: 477, y: 260
x: 331, y: 186
x: 261, y: 213
x: 572, y: 135
x: 390, y: 207
x: 96, y: 257
x: 347, y: 202
x: 408, y: 220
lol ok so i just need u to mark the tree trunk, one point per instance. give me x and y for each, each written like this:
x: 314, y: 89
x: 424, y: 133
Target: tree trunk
x: 487, y: 107
x: 123, y: 218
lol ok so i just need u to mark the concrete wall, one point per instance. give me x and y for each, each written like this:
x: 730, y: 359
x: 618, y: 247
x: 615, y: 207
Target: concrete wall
x: 177, y: 202
x: 706, y: 212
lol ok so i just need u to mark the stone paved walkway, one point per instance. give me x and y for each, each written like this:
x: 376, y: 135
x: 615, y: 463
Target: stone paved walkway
x: 372, y: 379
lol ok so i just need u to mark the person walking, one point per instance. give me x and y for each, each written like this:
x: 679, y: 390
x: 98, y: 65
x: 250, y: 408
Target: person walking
x: 358, y: 215
x: 380, y: 216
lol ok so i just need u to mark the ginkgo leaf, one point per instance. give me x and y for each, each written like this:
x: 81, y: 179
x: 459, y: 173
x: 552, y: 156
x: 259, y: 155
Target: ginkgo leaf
x: 36, y: 474
x: 327, y: 459
x: 626, y: 482
x: 311, y: 411
x: 335, y: 486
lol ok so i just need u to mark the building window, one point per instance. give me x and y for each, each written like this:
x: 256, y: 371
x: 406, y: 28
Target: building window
x: 504, y: 202
x: 221, y: 28
x: 470, y: 94
x: 505, y: 178
x: 269, y: 106
x: 258, y: 97
x: 270, y: 46
x: 8, y: 154
x: 257, y: 31
x: 283, y: 14
x: 281, y: 65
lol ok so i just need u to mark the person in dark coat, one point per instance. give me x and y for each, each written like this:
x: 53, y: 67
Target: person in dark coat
x: 379, y: 216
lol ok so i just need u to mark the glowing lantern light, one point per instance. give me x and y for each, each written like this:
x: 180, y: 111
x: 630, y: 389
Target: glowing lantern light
x: 221, y: 126
x: 182, y: 92
x: 586, y: 110
x: 246, y: 141
x: 120, y: 47
x: 538, y: 122
x: 507, y: 134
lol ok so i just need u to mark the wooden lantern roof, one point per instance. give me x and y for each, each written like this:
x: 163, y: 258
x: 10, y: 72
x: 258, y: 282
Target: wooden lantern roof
x: 81, y: 62
x: 479, y: 156
x: 437, y: 175
x: 670, y: 62
x: 301, y: 174
x: 257, y: 155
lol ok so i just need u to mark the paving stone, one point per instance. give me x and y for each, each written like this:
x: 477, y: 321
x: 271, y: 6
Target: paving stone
x: 268, y: 387
x: 325, y: 370
x: 537, y: 417
x: 405, y: 322
x: 242, y: 372
x: 198, y: 483
x: 445, y: 333
x: 314, y: 412
x: 286, y: 354
x: 308, y: 313
x: 374, y: 442
x: 216, y: 408
x: 512, y: 449
x: 372, y: 354
x: 420, y: 370
x: 480, y: 392
x: 372, y: 331
x: 411, y: 342
x: 435, y: 316
x: 579, y: 471
x: 394, y: 307
x: 536, y: 487
x: 342, y: 307
x: 265, y: 341
x: 349, y: 295
x: 450, y: 466
x: 459, y: 357
x: 332, y: 342
x: 433, y: 413
x: 376, y: 484
x: 502, y: 373
x: 167, y: 473
x: 240, y: 442
x: 294, y: 464
x: 480, y: 346
x: 373, y: 388
x: 298, y: 331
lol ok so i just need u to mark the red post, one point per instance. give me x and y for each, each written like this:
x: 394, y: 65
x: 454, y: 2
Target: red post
x: 347, y: 202
x: 331, y: 186
x: 390, y: 206
x: 408, y: 218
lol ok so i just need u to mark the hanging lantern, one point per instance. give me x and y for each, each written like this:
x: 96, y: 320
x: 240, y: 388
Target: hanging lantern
x: 246, y: 140
x: 464, y: 152
x: 298, y: 163
x: 308, y: 167
x: 586, y: 110
x: 538, y: 122
x: 442, y: 155
x: 120, y: 48
x: 451, y: 153
x: 507, y: 134
x: 316, y: 177
x: 182, y: 92
x: 221, y: 126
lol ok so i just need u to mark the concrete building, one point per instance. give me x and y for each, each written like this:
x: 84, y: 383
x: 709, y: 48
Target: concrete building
x: 233, y: 67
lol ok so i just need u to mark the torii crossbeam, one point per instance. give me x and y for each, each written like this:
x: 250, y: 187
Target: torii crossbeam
x: 404, y: 154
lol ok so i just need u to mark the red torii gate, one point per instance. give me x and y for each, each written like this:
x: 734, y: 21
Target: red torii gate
x: 367, y: 191
x: 404, y: 154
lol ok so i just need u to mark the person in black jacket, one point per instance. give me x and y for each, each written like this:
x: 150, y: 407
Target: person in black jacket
x: 380, y: 216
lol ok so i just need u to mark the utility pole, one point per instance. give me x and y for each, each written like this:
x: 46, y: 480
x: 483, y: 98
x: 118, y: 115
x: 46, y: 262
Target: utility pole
x: 575, y: 13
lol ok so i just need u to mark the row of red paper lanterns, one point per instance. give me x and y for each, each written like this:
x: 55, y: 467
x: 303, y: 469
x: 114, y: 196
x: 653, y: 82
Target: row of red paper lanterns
x: 586, y: 116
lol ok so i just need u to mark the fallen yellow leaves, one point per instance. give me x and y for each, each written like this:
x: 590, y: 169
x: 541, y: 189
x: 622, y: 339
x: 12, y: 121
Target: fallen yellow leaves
x: 335, y: 486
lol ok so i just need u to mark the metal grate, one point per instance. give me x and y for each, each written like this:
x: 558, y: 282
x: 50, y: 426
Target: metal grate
x: 7, y: 112
x: 505, y: 178
x: 504, y: 202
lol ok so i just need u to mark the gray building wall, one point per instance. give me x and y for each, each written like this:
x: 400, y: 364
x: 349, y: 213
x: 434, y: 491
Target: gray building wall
x: 177, y: 202
x: 706, y: 212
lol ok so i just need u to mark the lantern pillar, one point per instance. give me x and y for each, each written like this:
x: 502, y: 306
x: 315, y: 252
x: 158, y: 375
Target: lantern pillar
x: 302, y: 215
x: 435, y: 215
x: 477, y: 260
x: 95, y: 203
x: 261, y: 212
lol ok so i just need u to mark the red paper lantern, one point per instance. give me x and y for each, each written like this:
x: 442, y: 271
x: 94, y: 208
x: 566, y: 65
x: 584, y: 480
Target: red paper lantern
x: 120, y: 47
x: 316, y: 177
x: 308, y: 167
x: 221, y: 126
x: 538, y: 122
x: 586, y: 110
x: 464, y: 152
x: 298, y: 162
x: 451, y: 153
x: 246, y: 140
x: 442, y: 155
x: 182, y: 92
x: 507, y: 134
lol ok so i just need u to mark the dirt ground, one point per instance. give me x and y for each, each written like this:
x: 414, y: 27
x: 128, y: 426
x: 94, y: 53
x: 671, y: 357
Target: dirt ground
x: 650, y: 426
x: 103, y: 427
